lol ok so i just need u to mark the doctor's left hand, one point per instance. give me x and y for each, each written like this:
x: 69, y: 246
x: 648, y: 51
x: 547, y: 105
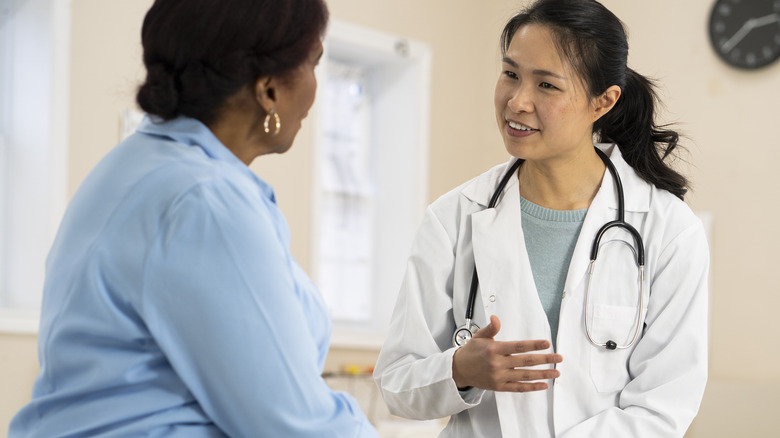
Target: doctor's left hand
x: 502, y: 366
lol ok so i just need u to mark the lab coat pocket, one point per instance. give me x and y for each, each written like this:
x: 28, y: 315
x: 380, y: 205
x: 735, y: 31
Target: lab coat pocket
x: 609, y: 368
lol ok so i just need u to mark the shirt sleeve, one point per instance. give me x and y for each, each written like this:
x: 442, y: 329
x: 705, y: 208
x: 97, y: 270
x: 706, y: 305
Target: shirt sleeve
x: 668, y: 367
x: 220, y: 300
x: 414, y: 368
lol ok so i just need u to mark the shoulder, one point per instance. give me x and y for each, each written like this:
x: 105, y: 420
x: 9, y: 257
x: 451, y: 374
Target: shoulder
x: 643, y: 196
x: 474, y: 194
x: 674, y: 216
x: 163, y: 168
x: 452, y: 208
x: 664, y: 216
x: 155, y: 181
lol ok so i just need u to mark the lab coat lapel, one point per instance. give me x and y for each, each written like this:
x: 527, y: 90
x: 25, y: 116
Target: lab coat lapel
x: 507, y: 290
x: 505, y: 279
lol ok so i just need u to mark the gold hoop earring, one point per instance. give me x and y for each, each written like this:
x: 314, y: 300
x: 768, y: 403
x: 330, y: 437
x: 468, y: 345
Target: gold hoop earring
x: 267, y: 123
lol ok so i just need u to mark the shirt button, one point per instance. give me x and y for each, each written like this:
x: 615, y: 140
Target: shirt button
x: 492, y: 298
x: 563, y: 295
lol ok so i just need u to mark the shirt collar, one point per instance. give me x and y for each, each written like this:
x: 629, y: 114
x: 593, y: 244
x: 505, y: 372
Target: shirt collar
x: 193, y: 132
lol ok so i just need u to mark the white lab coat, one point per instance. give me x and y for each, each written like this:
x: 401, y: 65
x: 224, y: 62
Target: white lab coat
x: 652, y: 389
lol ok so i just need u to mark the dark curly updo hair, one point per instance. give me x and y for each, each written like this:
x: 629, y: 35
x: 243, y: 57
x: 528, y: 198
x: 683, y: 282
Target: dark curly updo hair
x: 198, y: 53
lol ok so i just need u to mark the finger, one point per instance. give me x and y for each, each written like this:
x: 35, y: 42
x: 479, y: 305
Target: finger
x: 530, y: 360
x: 519, y: 347
x: 490, y: 330
x: 526, y: 375
x: 523, y: 387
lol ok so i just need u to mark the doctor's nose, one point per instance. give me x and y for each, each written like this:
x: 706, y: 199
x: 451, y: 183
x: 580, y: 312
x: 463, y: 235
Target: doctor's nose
x: 520, y: 101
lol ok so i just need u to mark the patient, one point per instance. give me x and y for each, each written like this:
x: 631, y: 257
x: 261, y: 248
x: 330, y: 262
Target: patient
x: 172, y: 305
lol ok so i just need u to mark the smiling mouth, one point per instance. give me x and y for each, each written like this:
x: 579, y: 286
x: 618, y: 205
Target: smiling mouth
x: 520, y: 126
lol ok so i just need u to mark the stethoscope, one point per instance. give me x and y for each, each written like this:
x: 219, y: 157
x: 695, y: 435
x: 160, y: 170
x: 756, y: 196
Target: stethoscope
x: 465, y: 332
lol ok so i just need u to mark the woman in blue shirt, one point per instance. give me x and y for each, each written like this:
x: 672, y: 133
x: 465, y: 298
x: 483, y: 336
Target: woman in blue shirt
x: 172, y: 305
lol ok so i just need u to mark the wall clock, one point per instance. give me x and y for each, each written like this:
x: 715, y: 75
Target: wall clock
x: 746, y: 33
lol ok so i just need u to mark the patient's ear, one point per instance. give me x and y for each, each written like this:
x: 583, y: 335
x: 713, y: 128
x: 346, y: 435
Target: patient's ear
x: 265, y: 93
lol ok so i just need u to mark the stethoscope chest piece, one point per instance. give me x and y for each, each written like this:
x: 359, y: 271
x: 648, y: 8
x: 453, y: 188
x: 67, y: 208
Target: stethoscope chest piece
x: 464, y: 333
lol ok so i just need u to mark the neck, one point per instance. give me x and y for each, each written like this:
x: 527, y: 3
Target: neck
x: 239, y: 128
x: 238, y: 138
x: 569, y: 184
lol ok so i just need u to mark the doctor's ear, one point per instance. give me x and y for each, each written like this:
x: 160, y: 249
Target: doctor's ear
x: 603, y: 103
x: 265, y: 93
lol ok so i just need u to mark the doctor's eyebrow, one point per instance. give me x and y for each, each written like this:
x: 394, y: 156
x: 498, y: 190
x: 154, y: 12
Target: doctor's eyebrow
x: 537, y: 72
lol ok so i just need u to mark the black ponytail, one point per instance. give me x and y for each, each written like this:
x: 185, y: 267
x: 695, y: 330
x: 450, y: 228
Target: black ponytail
x: 594, y: 42
x: 631, y: 124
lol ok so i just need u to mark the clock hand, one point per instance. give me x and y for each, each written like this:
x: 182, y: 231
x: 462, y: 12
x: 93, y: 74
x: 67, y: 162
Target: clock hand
x: 741, y: 33
x: 769, y: 19
x: 747, y: 27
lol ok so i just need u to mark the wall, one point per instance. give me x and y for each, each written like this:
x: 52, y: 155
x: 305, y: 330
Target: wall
x: 18, y: 367
x: 728, y: 116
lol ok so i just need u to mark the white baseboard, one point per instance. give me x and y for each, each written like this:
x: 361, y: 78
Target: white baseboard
x: 24, y: 322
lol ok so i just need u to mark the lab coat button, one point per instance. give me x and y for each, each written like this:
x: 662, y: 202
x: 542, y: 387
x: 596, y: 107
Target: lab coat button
x: 492, y: 298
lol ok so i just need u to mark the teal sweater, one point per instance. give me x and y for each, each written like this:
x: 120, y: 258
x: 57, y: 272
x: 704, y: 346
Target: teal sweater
x: 550, y: 237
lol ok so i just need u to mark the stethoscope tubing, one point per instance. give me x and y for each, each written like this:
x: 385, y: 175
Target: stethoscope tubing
x: 612, y: 345
x: 464, y: 333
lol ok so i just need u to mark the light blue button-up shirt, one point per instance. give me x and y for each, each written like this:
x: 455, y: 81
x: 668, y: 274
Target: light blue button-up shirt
x: 173, y: 307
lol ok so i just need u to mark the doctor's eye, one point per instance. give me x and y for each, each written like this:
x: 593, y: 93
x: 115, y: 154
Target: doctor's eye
x: 510, y: 74
x: 548, y: 86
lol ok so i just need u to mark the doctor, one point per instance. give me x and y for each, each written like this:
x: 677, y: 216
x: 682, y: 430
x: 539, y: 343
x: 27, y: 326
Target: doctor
x: 565, y: 348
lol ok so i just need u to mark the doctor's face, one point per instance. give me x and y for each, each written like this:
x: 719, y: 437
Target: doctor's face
x: 542, y: 109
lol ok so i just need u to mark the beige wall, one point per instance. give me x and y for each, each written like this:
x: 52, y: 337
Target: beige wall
x: 728, y: 116
x: 18, y: 367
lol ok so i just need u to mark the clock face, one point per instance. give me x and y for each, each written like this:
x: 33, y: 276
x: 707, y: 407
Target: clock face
x: 746, y: 33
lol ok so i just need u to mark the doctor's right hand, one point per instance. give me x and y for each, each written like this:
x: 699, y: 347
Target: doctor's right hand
x: 502, y: 366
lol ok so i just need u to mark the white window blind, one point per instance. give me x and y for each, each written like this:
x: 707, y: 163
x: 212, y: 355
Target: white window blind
x: 5, y: 16
x: 346, y: 221
x: 34, y: 39
x: 371, y: 146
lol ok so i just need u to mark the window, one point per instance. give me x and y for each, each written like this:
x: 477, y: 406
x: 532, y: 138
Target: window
x: 371, y: 162
x: 347, y: 192
x: 34, y: 38
x: 5, y: 16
